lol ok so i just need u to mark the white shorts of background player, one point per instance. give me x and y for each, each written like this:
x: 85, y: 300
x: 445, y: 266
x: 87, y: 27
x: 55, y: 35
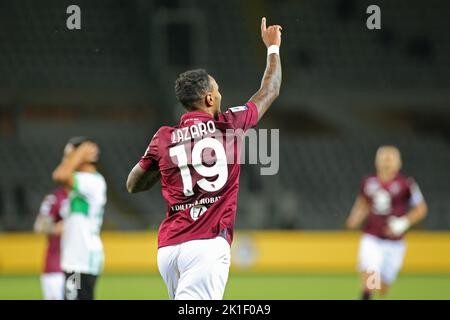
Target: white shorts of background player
x: 195, y: 270
x: 382, y: 256
x: 53, y: 285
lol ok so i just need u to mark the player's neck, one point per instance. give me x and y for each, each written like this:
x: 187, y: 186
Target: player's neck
x: 386, y: 176
x: 87, y: 167
x: 205, y: 109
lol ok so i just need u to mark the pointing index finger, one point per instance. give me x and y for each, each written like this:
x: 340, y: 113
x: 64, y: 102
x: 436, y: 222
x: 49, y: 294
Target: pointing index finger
x: 263, y: 24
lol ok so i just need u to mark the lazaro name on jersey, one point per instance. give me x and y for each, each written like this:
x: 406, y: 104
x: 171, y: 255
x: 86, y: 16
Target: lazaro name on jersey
x: 194, y: 131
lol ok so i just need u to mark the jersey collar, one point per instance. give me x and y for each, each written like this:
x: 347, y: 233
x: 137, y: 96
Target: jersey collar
x: 195, y: 116
x: 387, y: 183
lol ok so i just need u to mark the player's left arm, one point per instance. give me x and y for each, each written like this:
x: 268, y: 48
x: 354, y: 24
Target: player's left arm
x: 141, y: 180
x: 418, y: 212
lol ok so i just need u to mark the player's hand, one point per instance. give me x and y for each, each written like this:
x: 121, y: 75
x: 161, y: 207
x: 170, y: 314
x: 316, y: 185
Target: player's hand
x: 58, y: 228
x: 270, y: 35
x: 88, y: 151
x: 398, y: 225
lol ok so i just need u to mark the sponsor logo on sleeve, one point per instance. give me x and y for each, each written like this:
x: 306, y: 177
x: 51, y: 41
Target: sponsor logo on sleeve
x: 238, y: 108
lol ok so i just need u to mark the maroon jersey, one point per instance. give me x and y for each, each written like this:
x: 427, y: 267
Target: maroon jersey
x: 393, y: 198
x: 198, y: 161
x: 52, y: 206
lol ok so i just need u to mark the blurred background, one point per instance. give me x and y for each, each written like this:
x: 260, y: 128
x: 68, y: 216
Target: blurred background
x: 346, y: 90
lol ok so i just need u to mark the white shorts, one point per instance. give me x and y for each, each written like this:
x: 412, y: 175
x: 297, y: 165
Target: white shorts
x: 195, y: 270
x: 53, y: 285
x: 382, y: 256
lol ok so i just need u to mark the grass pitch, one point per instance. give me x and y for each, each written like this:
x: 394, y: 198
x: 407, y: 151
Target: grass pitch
x: 245, y: 286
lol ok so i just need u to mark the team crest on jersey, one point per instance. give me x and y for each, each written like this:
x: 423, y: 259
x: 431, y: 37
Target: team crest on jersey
x: 394, y: 188
x: 238, y: 108
x: 197, y: 211
x: 382, y: 202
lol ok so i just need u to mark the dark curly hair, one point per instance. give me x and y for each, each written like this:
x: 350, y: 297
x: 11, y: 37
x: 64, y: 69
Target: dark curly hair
x: 191, y: 86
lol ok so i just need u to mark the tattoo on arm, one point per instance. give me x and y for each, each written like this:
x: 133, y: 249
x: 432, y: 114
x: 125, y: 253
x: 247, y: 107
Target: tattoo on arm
x: 270, y: 85
x: 140, y: 180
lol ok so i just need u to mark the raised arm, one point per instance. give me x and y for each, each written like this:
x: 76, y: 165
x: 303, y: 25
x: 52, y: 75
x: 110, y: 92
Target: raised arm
x: 86, y: 152
x: 271, y: 81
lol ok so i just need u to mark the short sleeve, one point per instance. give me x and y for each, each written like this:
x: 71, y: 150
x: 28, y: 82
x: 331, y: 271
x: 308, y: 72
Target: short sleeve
x: 150, y: 157
x: 242, y: 117
x: 416, y: 196
x: 79, y: 184
x: 84, y: 184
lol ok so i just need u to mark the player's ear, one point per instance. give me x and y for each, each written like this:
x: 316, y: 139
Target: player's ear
x: 209, y: 100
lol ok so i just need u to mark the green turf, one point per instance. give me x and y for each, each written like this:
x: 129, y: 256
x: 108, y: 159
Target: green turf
x: 245, y: 286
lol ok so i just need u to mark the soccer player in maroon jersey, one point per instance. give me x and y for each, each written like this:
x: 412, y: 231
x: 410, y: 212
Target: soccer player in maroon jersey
x: 200, y: 179
x: 389, y: 203
x: 49, y: 222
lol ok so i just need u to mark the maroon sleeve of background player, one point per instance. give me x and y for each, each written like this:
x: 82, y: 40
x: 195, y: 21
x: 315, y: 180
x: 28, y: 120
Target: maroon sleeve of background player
x: 151, y: 154
x: 54, y: 211
x: 61, y: 196
x: 51, y: 205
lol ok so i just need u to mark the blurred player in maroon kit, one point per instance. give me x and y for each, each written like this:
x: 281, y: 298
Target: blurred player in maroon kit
x: 49, y: 222
x: 200, y: 177
x: 390, y: 203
